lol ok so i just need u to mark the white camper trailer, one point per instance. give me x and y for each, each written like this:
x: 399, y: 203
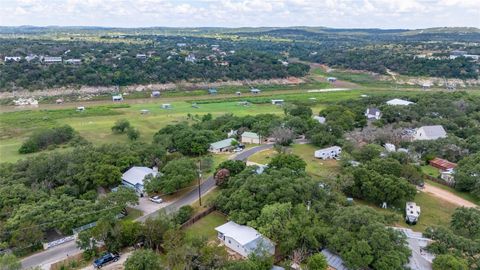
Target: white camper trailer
x: 412, y: 213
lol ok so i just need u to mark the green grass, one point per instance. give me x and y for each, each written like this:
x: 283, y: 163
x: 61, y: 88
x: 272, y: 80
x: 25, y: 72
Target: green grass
x: 430, y: 170
x: 465, y: 195
x: 207, y: 199
x: 205, y: 227
x: 133, y: 214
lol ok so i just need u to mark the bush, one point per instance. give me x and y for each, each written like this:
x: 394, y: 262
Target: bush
x: 121, y: 126
x: 44, y: 139
x: 184, y: 214
x: 133, y: 133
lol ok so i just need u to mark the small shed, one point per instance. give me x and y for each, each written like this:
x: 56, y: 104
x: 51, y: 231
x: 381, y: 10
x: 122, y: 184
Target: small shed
x: 255, y: 91
x: 277, y: 101
x: 155, y: 94
x: 243, y: 103
x: 117, y: 98
x: 222, y: 146
x: 80, y: 108
x: 442, y: 164
x: 320, y: 119
x: 250, y: 137
x: 166, y: 106
x: 390, y: 147
x: 212, y: 91
x: 238, y: 93
x: 331, y: 79
x: 144, y: 111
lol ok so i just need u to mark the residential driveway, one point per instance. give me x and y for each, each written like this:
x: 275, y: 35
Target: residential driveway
x: 147, y: 206
x: 114, y: 265
x: 447, y: 196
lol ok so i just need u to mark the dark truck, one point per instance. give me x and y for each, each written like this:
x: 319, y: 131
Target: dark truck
x: 106, y: 259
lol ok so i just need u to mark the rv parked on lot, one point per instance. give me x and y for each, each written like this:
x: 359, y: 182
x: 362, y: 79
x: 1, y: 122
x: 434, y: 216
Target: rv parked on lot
x: 412, y: 213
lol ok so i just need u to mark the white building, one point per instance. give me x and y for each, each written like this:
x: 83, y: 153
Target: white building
x: 277, y: 101
x: 399, y: 102
x: 52, y: 59
x: 190, y: 58
x: 329, y: 152
x: 429, y: 133
x: 320, y: 119
x: 166, y: 106
x: 135, y: 176
x: 12, y: 58
x: 255, y: 91
x: 73, y: 61
x: 244, y: 240
x: 250, y: 137
x: 373, y: 113
x: 412, y: 213
x: 222, y: 146
x: 390, y: 147
x: 117, y: 98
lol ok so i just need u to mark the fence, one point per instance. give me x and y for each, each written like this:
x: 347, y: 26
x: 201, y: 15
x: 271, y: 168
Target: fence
x: 440, y: 181
x: 197, y: 217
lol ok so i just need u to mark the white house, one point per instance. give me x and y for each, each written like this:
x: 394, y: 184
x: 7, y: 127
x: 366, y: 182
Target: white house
x: 320, y: 119
x: 222, y: 146
x: 52, y: 59
x: 250, y: 137
x: 12, y: 58
x: 135, y: 176
x: 277, y: 101
x: 244, y: 240
x: 390, y: 147
x: 399, y: 102
x: 429, y: 133
x: 190, y: 58
x: 255, y: 91
x: 329, y: 152
x: 373, y: 113
x: 166, y: 106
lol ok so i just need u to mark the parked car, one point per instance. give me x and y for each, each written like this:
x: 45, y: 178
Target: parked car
x: 156, y: 199
x: 236, y: 150
x: 106, y: 259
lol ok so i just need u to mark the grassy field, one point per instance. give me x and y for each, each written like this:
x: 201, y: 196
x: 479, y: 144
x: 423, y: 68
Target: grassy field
x: 430, y: 170
x: 205, y: 227
x: 95, y: 122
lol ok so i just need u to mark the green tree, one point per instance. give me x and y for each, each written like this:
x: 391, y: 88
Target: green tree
x: 317, y: 262
x: 143, y: 259
x: 466, y: 222
x: 133, y: 134
x: 233, y: 166
x: 184, y: 213
x: 467, y: 174
x: 177, y: 174
x: 121, y: 126
x: 449, y: 262
x: 290, y: 161
x: 8, y: 261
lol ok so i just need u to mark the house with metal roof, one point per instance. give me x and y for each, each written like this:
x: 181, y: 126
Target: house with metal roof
x: 399, y: 102
x: 222, y: 146
x: 333, y: 260
x: 134, y: 177
x: 320, y: 119
x: 250, y: 137
x: 244, y: 240
x: 429, y: 133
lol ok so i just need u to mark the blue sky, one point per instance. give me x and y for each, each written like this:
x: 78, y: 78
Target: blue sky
x: 237, y: 13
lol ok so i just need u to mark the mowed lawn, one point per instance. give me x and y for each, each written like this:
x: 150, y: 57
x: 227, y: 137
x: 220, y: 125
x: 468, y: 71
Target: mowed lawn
x: 205, y: 227
x: 315, y: 167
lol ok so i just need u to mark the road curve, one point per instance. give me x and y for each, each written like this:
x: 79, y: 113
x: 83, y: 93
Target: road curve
x: 47, y: 257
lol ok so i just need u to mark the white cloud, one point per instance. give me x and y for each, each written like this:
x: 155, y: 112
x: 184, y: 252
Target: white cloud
x: 233, y: 13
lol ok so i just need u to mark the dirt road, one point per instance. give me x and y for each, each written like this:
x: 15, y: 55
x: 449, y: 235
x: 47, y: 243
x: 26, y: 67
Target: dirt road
x: 448, y: 196
x: 114, y: 265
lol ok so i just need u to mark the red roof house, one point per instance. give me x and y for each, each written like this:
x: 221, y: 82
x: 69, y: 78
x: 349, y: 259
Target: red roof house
x: 442, y: 164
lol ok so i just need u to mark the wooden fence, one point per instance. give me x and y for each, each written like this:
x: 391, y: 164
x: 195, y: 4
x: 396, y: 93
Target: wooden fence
x: 440, y: 181
x: 197, y: 217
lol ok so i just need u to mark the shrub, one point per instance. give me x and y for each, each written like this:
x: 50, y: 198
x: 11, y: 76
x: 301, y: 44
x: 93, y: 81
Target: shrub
x: 47, y: 138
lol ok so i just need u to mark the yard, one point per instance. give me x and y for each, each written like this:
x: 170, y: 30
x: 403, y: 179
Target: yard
x: 315, y: 167
x: 205, y: 227
x: 430, y: 170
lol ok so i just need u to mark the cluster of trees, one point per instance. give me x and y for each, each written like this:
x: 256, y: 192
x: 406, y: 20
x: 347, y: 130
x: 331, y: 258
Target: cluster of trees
x: 115, y: 63
x: 122, y: 126
x: 303, y: 217
x: 458, y: 246
x: 47, y: 138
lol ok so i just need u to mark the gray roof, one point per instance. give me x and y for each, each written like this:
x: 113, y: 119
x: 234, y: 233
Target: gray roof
x: 136, y: 175
x: 246, y: 236
x: 434, y: 131
x: 373, y: 110
x: 248, y: 134
x: 334, y: 260
x: 222, y: 144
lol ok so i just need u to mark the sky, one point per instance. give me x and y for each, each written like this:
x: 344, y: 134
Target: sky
x: 405, y: 14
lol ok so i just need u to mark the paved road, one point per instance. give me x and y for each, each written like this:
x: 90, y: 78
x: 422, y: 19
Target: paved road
x: 47, y: 257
